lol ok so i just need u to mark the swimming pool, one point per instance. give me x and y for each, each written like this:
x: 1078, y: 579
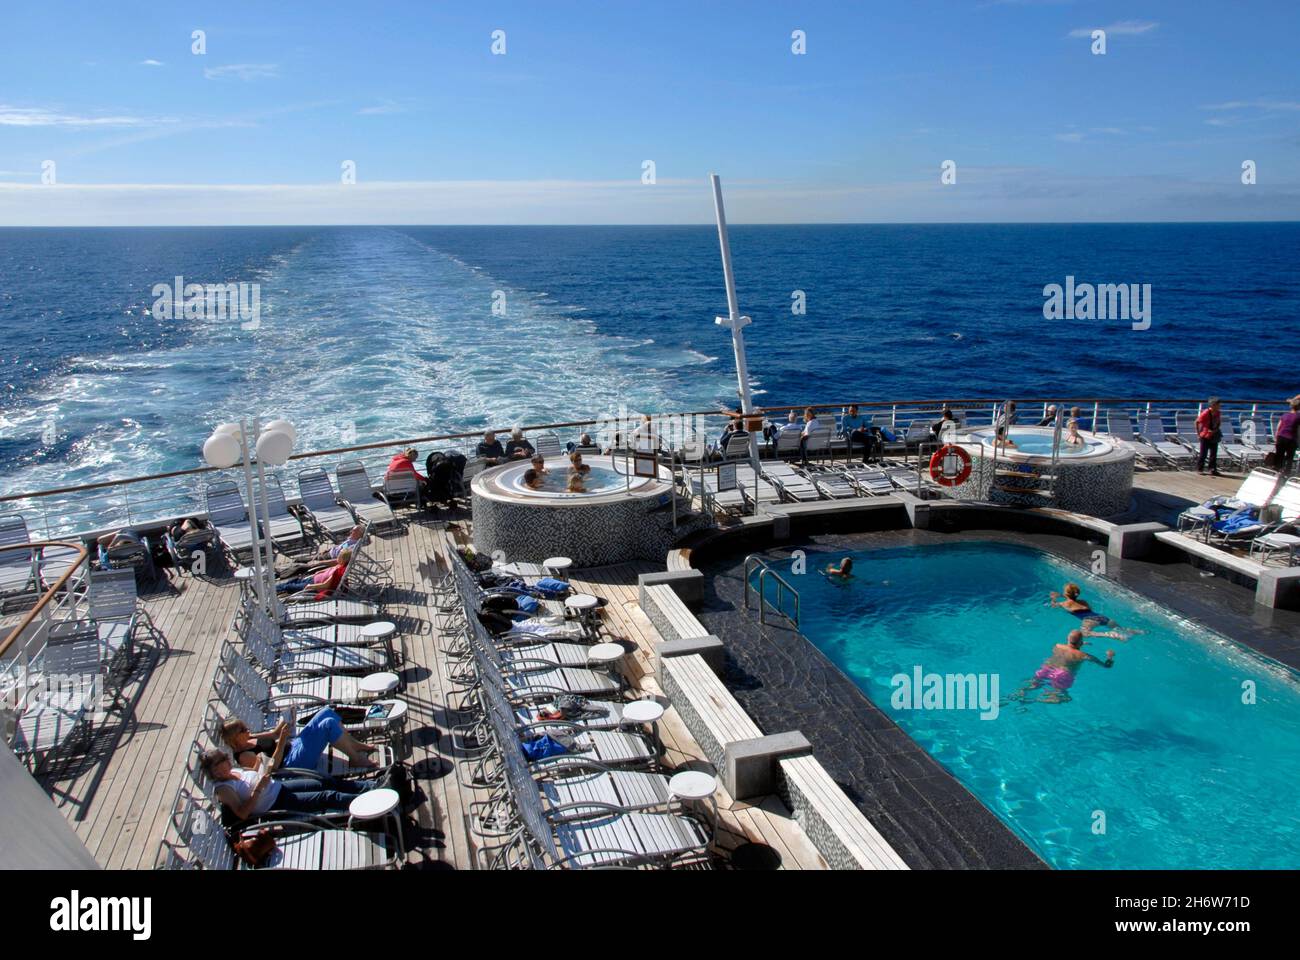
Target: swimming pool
x: 1155, y: 763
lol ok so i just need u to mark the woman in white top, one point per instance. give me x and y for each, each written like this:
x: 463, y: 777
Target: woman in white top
x: 251, y: 793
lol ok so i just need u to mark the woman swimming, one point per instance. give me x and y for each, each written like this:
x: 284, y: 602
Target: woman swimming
x: 1089, y: 618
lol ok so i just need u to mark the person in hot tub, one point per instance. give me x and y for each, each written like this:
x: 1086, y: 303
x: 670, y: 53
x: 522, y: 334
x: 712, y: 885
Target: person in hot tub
x: 539, y: 464
x: 1089, y: 618
x: 576, y: 465
x: 1061, y: 668
x: 532, y: 479
x: 1005, y: 440
x: 575, y: 483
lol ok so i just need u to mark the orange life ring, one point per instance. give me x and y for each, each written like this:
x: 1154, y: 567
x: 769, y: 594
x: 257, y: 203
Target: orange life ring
x: 937, y: 473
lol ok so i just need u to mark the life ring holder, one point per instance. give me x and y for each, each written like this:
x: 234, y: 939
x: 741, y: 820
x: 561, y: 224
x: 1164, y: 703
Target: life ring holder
x: 937, y: 473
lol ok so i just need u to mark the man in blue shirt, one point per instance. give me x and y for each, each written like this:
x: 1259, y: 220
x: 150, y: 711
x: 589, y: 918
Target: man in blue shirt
x: 859, y: 430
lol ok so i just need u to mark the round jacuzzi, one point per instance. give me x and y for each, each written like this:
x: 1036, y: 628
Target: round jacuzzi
x: 614, y: 518
x: 1093, y: 477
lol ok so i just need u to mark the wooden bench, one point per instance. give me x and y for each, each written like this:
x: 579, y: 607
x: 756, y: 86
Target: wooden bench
x: 708, y: 709
x: 836, y: 827
x: 668, y: 614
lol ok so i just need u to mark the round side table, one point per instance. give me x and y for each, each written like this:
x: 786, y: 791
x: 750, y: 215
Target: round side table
x: 558, y: 567
x: 692, y: 786
x: 377, y: 684
x: 380, y: 804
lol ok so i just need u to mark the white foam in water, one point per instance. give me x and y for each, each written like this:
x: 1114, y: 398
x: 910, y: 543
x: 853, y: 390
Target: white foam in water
x: 373, y: 330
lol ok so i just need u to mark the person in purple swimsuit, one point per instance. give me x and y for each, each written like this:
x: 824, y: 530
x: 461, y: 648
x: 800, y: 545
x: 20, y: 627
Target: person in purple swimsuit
x: 1061, y: 668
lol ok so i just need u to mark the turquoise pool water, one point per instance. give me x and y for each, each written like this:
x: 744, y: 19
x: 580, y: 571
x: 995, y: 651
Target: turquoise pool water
x: 1040, y: 443
x: 1185, y: 774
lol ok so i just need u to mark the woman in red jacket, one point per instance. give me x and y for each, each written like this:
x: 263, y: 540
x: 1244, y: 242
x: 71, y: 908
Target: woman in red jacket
x: 1208, y: 425
x: 404, y: 462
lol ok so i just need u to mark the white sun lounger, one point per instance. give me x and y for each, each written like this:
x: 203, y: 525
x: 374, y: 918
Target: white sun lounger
x: 323, y: 505
x: 359, y: 493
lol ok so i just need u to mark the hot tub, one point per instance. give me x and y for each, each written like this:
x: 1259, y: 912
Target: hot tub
x: 1094, y: 478
x: 616, y: 519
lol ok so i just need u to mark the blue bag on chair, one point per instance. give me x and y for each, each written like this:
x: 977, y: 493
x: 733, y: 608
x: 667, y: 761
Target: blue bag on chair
x: 542, y: 747
x: 527, y: 604
x: 551, y: 585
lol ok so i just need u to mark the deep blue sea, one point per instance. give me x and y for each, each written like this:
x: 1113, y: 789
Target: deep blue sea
x: 393, y: 329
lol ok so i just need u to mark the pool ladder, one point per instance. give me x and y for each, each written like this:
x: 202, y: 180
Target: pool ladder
x: 755, y: 562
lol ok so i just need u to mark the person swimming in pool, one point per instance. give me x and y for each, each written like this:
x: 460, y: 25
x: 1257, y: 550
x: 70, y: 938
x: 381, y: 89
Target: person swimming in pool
x: 1061, y: 668
x: 841, y: 573
x: 1089, y: 618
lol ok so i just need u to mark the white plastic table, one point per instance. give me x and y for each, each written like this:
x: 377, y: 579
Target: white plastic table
x: 377, y: 684
x: 694, y: 786
x: 605, y: 653
x: 379, y: 629
x: 1199, y: 518
x: 379, y: 804
x: 557, y: 567
x: 582, y: 602
x: 642, y: 712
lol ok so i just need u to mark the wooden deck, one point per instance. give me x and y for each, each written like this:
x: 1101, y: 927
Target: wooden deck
x: 119, y: 794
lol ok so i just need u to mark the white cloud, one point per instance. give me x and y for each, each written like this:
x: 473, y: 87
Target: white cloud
x: 388, y: 106
x: 1070, y: 137
x: 243, y: 71
x: 42, y: 117
x: 1124, y: 28
x: 151, y: 63
x: 1271, y: 105
x: 986, y: 195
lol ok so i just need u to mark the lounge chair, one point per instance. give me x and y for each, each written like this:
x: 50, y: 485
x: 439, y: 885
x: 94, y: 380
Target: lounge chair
x: 280, y: 524
x: 303, y: 656
x: 57, y: 720
x: 182, y: 549
x: 904, y: 479
x: 228, y: 515
x: 1257, y: 490
x: 1119, y: 427
x: 754, y: 487
x: 588, y: 833
x: 1151, y: 428
x: 713, y: 499
x: 538, y: 679
x: 818, y: 445
x: 113, y: 607
x: 870, y: 482
x: 832, y: 484
x: 787, y: 444
x: 735, y: 446
x: 306, y: 843
x: 324, y: 509
x: 18, y: 570
x: 403, y: 489
x: 548, y: 445
x: 1232, y: 446
x: 359, y: 493
x: 792, y: 484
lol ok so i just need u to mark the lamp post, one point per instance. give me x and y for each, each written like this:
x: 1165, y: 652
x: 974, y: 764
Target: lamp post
x: 232, y: 444
x: 734, y: 321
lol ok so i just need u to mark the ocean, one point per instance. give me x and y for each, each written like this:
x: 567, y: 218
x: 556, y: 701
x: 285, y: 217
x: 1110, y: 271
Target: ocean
x: 385, y: 332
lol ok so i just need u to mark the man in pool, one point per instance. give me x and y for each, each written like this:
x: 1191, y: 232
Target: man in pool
x: 532, y: 479
x: 842, y: 573
x: 576, y: 465
x: 539, y: 464
x: 1059, y: 670
x: 1089, y: 618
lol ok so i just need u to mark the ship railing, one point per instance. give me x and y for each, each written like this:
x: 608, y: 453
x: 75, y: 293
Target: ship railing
x: 156, y: 499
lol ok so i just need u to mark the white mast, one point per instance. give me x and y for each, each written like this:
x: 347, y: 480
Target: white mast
x: 734, y: 321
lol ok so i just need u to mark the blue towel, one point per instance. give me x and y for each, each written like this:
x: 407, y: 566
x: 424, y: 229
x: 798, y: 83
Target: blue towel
x: 542, y: 747
x: 1238, y: 522
x: 527, y: 604
x: 551, y: 585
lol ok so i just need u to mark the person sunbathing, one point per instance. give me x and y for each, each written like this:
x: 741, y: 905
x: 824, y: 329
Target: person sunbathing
x: 250, y: 793
x: 302, y: 751
x: 1060, y: 670
x: 1089, y: 618
x: 331, y: 551
x: 324, y: 582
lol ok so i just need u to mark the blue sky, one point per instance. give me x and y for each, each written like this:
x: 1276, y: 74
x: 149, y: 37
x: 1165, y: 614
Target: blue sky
x: 556, y: 131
